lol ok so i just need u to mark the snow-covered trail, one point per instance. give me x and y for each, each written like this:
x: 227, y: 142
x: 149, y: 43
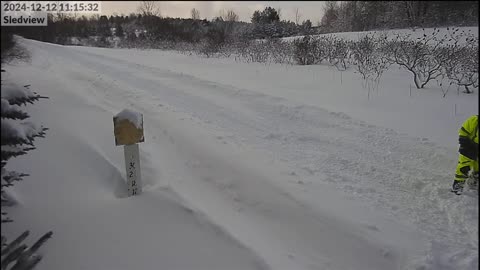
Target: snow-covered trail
x: 268, y: 170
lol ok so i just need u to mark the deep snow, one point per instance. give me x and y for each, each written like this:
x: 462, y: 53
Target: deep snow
x: 245, y: 166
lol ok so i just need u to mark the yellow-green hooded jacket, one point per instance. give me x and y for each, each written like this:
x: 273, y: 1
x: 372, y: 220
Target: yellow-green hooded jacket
x: 468, y: 139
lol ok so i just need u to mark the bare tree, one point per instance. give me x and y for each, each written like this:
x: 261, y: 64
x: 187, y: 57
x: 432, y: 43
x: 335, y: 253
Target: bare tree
x: 298, y: 16
x: 231, y: 16
x: 195, y: 14
x: 423, y: 57
x: 370, y: 60
x: 340, y: 54
x: 460, y: 60
x: 228, y: 16
x: 312, y: 50
x: 149, y: 8
x: 330, y: 13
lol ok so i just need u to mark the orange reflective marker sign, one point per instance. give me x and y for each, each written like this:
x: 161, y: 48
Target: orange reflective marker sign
x: 126, y: 132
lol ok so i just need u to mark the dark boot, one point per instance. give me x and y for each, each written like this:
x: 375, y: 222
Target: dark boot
x: 457, y: 187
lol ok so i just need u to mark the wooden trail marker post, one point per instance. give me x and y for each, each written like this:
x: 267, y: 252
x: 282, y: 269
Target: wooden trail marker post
x: 128, y: 130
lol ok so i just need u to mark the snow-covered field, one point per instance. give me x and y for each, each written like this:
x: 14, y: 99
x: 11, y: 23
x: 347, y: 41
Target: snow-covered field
x: 412, y: 33
x: 245, y: 166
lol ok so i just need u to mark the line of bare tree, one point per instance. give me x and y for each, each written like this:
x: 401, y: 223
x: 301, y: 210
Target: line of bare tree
x: 450, y: 59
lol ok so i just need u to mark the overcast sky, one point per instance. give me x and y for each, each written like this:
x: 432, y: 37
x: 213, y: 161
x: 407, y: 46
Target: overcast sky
x: 312, y: 10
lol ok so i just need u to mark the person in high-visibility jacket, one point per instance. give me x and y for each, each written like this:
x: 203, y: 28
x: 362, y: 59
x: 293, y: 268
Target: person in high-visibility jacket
x: 468, y: 157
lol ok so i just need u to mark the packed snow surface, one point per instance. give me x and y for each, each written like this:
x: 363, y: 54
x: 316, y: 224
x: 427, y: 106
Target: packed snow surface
x: 245, y: 166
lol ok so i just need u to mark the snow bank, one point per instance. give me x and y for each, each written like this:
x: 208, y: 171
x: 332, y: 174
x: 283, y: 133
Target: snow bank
x: 266, y: 165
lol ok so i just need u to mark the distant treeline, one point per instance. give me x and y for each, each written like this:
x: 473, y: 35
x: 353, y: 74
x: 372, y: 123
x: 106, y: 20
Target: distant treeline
x: 338, y: 16
x: 346, y: 16
x: 155, y: 28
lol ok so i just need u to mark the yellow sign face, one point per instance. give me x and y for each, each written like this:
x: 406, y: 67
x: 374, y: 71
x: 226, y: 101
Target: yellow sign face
x: 126, y: 132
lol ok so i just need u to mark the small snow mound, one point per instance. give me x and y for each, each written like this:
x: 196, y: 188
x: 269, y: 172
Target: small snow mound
x: 134, y: 117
